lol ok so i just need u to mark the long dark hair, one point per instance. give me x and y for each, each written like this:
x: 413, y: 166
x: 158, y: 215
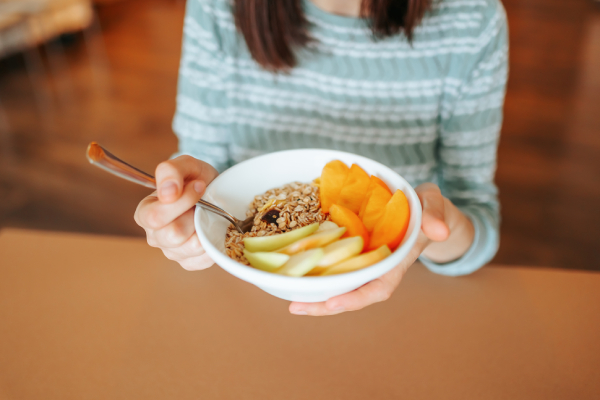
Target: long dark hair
x: 273, y: 29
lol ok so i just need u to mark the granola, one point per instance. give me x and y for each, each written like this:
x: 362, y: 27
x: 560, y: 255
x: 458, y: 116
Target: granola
x: 277, y: 211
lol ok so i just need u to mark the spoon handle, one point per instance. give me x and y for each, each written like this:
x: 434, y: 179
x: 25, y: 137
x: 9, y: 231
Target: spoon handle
x: 102, y: 158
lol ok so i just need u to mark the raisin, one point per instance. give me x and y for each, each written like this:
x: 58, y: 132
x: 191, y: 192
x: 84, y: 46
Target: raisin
x: 270, y: 217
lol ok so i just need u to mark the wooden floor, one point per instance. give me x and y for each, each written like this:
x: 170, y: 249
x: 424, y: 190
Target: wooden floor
x: 116, y: 85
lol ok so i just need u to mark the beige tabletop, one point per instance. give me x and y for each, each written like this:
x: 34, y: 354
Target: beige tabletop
x: 91, y: 317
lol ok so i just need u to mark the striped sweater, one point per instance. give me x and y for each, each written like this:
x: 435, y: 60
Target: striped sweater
x: 432, y: 111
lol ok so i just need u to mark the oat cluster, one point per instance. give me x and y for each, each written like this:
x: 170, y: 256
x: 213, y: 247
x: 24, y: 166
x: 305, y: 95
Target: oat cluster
x: 278, y: 210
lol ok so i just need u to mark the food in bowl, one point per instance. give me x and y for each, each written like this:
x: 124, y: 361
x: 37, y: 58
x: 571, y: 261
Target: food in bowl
x: 277, y: 211
x: 343, y: 221
x: 234, y: 190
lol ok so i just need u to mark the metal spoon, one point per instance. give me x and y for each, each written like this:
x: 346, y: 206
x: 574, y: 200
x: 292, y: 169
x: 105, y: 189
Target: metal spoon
x: 102, y: 158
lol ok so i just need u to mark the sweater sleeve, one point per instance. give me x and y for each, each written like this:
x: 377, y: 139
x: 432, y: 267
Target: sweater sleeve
x: 470, y: 130
x: 201, y: 114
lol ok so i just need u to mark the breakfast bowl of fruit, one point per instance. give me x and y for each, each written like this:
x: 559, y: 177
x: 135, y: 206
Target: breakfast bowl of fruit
x: 325, y: 222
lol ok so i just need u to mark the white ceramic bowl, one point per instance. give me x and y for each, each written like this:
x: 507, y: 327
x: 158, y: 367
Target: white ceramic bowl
x: 235, y: 189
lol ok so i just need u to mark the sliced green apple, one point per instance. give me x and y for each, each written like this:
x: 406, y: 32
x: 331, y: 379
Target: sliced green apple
x: 266, y: 261
x: 270, y: 243
x: 358, y: 262
x: 300, y: 264
x: 341, y: 250
x: 337, y: 252
x: 313, y: 241
x: 327, y: 226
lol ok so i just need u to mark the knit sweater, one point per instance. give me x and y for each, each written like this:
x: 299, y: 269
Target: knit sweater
x: 430, y: 110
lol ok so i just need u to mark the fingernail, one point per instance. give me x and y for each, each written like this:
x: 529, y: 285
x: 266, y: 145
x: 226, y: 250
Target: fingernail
x: 299, y: 312
x: 199, y: 187
x: 168, y: 189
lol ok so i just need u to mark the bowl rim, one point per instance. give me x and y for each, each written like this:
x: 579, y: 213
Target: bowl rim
x: 371, y: 272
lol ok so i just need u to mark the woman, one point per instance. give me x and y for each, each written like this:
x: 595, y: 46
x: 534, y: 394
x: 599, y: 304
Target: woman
x: 414, y: 84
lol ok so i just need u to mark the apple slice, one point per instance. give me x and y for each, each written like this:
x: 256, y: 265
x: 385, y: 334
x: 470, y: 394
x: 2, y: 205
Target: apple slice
x: 341, y: 250
x: 327, y: 226
x: 313, y: 241
x: 301, y: 263
x: 266, y: 261
x: 358, y: 262
x: 270, y: 243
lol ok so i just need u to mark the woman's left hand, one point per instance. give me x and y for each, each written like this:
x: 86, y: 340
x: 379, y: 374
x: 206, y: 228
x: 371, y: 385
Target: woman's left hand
x: 444, y: 230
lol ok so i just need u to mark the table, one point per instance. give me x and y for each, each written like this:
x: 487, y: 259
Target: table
x: 92, y: 317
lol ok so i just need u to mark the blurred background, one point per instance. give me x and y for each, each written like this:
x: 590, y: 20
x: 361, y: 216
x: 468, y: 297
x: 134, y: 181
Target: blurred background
x: 75, y: 71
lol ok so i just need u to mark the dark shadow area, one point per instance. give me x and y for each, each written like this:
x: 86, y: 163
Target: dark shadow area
x: 115, y: 83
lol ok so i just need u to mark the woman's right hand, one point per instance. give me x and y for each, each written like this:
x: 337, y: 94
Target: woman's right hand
x: 167, y: 215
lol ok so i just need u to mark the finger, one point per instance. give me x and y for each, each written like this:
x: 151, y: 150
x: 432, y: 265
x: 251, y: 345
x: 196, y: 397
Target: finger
x: 156, y: 215
x: 191, y: 248
x: 146, y: 201
x: 191, y: 263
x: 176, y: 233
x: 312, y: 309
x: 197, y: 263
x: 172, y: 175
x: 433, y: 221
x: 373, y: 292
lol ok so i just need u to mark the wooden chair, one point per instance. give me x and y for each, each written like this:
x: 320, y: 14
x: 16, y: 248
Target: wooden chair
x: 28, y: 23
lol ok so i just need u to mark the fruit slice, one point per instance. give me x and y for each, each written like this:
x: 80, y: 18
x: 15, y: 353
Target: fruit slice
x: 344, y: 217
x: 375, y: 181
x: 381, y: 183
x: 327, y: 226
x: 337, y: 252
x: 333, y: 177
x: 375, y: 206
x: 341, y: 250
x: 354, y: 189
x: 301, y: 263
x: 310, y: 242
x: 270, y: 243
x: 392, y: 226
x: 358, y: 262
x: 266, y: 261
x: 363, y: 205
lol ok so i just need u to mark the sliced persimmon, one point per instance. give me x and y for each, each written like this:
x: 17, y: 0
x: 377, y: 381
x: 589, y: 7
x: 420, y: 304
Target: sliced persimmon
x: 381, y: 183
x: 375, y: 206
x: 354, y: 189
x: 354, y: 226
x: 333, y: 177
x: 374, y: 181
x: 392, y: 226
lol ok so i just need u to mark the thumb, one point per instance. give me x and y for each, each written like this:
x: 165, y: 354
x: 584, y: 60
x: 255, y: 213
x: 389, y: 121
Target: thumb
x: 172, y: 175
x: 434, y: 224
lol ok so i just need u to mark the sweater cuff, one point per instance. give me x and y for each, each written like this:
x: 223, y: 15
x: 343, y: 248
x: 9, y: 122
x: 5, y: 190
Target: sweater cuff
x: 483, y: 249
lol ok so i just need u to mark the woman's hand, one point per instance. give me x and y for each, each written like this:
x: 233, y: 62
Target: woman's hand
x: 446, y: 234
x: 167, y: 215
